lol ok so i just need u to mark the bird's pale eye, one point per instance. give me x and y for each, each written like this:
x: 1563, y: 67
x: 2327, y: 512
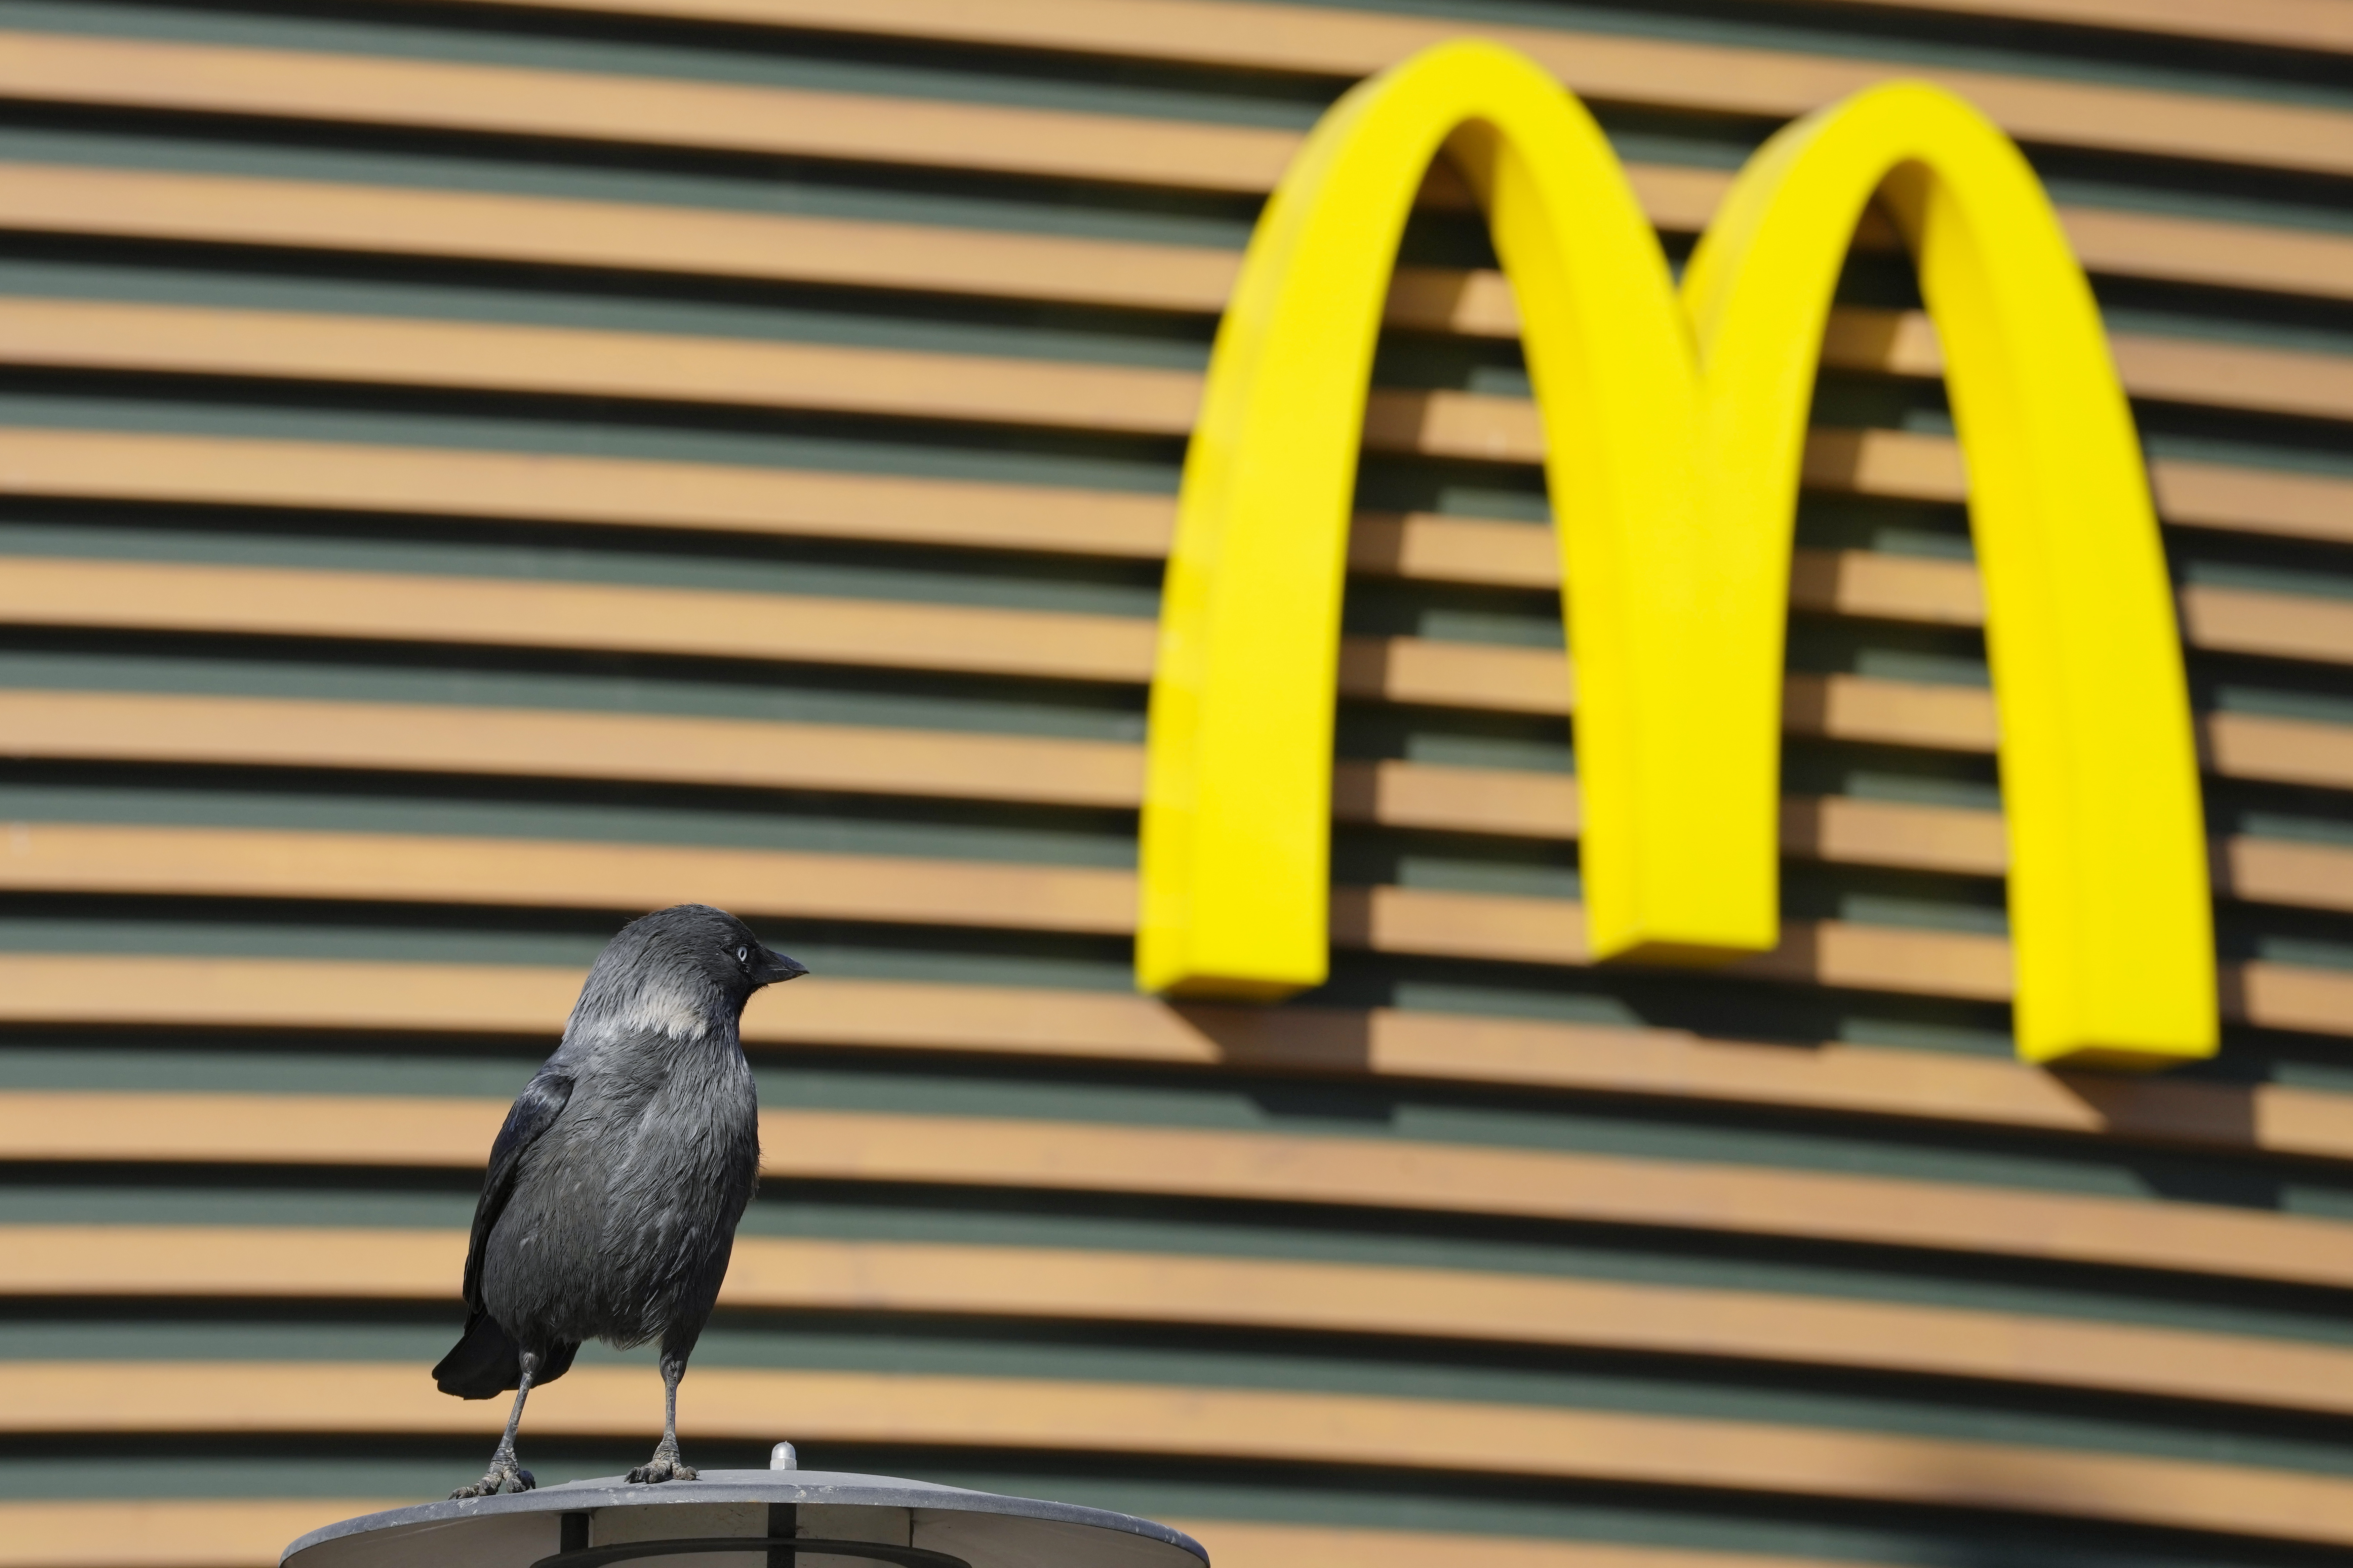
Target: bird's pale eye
x: 743, y: 955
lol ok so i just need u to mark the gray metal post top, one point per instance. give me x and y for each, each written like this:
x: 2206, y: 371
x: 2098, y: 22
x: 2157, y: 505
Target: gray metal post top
x: 781, y: 1517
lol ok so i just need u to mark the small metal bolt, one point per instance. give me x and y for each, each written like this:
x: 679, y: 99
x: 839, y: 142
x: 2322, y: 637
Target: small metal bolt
x: 783, y: 1458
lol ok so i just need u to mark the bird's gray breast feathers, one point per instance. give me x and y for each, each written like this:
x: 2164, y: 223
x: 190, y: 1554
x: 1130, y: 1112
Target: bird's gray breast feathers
x: 624, y: 1210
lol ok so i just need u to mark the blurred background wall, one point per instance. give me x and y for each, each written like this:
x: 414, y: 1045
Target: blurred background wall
x: 478, y: 471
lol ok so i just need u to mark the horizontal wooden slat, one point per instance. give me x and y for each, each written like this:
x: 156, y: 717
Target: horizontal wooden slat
x: 162, y: 991
x: 2124, y: 243
x: 210, y: 862
x: 793, y: 1273
x: 2277, y: 24
x: 888, y: 633
x: 2189, y: 494
x: 786, y: 502
x: 896, y: 383
x: 1278, y: 1427
x: 56, y: 67
x: 777, y: 884
x: 208, y: 471
x: 907, y: 385
x: 241, y: 731
x: 968, y: 136
x: 1607, y: 67
x: 860, y: 253
x: 2175, y: 370
x: 1903, y: 342
x: 2276, y: 750
x: 284, y: 602
x: 2272, y: 626
x: 167, y: 1533
x: 476, y: 225
x: 799, y: 503
x: 377, y: 1131
x: 1233, y: 1544
x: 250, y: 1533
x: 899, y: 383
x: 2314, y: 876
x: 1948, y: 593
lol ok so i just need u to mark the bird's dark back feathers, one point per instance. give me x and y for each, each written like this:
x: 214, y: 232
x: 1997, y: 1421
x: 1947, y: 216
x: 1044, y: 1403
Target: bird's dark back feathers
x: 624, y: 1164
x: 486, y: 1361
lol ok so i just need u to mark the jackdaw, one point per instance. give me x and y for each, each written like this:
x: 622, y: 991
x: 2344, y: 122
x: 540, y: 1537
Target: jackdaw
x: 614, y: 1188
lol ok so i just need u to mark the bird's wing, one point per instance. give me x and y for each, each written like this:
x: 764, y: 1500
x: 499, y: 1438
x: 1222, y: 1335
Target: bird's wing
x: 534, y: 1111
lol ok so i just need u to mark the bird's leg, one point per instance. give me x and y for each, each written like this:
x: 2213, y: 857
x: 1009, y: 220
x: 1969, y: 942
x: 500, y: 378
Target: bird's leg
x: 506, y: 1475
x: 666, y: 1466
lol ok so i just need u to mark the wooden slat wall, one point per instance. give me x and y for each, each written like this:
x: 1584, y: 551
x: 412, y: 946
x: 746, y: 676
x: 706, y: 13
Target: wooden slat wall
x: 472, y: 472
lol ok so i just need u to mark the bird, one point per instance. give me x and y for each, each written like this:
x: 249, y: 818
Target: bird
x: 610, y: 1206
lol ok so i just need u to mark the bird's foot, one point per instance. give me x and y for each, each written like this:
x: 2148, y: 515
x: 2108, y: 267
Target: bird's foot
x: 505, y: 1475
x: 665, y: 1466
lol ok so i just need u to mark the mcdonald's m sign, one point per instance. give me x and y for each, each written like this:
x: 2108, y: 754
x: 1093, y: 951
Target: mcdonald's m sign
x: 1674, y: 423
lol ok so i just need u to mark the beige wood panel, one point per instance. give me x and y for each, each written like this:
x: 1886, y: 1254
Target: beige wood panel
x: 846, y: 252
x: 1609, y: 67
x: 139, y: 466
x: 244, y: 1262
x: 2315, y: 876
x: 560, y: 873
x: 1848, y: 830
x: 267, y: 601
x: 2177, y: 370
x: 168, y: 1533
x: 1850, y: 707
x: 1602, y: 1189
x: 302, y: 1130
x: 623, y: 492
x: 250, y: 1533
x: 897, y: 383
x: 2210, y: 494
x: 294, y: 993
x: 210, y: 862
x: 1896, y: 343
x: 885, y: 1015
x: 2107, y: 241
x: 268, y: 731
x: 273, y: 602
x: 2189, y: 494
x: 402, y: 1131
x: 2275, y: 626
x: 218, y: 209
x: 539, y: 742
x: 2279, y: 24
x: 780, y: 1273
x: 900, y: 383
x: 385, y: 90
x: 915, y: 1410
x: 1389, y: 1043
x: 2282, y: 750
x: 1256, y: 1545
x: 2284, y: 997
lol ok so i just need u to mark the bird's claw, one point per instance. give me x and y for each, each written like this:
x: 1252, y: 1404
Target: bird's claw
x: 664, y: 1468
x: 505, y: 1476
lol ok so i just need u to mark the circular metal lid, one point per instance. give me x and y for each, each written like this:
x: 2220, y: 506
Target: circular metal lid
x: 518, y: 1531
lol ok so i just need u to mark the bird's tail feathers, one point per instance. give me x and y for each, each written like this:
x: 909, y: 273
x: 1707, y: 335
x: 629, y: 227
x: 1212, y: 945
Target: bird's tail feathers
x: 486, y: 1362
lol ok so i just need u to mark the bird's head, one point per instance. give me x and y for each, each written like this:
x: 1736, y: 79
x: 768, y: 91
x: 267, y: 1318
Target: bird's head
x: 680, y: 970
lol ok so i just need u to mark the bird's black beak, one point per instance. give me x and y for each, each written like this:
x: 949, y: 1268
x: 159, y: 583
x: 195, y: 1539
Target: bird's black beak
x: 773, y: 967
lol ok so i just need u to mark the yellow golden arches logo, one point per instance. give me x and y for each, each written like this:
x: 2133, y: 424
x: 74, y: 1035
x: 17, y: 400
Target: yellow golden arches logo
x: 1673, y: 429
